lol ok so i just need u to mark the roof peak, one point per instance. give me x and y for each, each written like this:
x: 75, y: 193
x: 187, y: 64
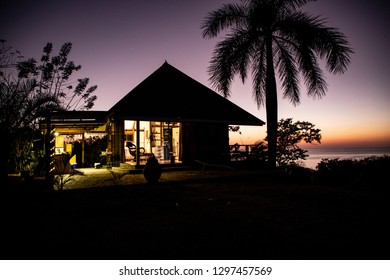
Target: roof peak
x: 194, y: 101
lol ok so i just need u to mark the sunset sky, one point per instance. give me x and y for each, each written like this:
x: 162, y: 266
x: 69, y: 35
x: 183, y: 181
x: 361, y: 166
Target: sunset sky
x: 120, y: 43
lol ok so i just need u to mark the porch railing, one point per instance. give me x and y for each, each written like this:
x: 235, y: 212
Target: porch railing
x: 241, y: 152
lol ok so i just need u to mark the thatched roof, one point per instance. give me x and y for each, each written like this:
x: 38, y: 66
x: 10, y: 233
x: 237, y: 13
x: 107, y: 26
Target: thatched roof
x: 169, y: 95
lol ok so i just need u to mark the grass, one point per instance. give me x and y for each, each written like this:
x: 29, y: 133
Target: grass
x: 248, y: 216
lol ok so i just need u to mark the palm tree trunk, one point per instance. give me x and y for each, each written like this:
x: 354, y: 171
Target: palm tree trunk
x: 271, y: 105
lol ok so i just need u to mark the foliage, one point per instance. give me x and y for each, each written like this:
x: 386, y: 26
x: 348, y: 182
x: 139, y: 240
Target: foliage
x: 38, y: 164
x: 368, y: 172
x: 61, y: 179
x: 235, y: 128
x: 20, y: 108
x: 21, y: 105
x: 93, y: 147
x: 52, y: 77
x: 117, y: 177
x: 290, y: 134
x: 272, y: 38
x: 28, y: 92
x: 22, y: 144
x: 62, y: 173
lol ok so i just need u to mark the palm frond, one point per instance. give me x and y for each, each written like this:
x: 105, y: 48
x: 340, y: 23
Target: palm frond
x: 227, y: 16
x: 288, y: 73
x: 231, y: 56
x: 312, y: 73
x: 327, y: 42
x: 292, y: 4
x: 221, y: 70
x: 311, y: 39
x: 259, y: 75
x: 299, y: 41
x: 333, y: 45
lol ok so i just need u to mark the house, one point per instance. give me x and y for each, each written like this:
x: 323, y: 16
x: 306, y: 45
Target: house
x: 168, y: 114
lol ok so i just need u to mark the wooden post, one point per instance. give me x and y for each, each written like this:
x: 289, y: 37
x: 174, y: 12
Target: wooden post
x: 48, y: 152
x: 137, y: 154
x: 83, y: 150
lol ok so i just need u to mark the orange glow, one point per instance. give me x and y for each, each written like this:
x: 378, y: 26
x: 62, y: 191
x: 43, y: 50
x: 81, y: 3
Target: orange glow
x: 362, y: 142
x: 350, y: 138
x: 355, y: 140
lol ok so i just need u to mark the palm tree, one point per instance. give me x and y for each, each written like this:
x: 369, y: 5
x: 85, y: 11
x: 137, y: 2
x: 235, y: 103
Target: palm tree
x: 272, y: 37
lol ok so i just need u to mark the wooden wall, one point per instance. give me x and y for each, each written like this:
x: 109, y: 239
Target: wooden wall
x: 207, y: 142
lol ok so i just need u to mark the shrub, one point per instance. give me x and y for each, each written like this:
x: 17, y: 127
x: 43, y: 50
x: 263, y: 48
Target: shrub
x: 369, y: 172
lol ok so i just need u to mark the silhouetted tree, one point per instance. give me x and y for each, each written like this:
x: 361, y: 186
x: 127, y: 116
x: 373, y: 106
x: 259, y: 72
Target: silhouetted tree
x: 52, y: 77
x: 290, y: 134
x: 28, y: 92
x: 20, y: 106
x: 269, y: 37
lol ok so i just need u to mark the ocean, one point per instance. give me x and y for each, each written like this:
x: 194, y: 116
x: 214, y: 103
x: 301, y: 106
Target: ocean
x: 316, y: 154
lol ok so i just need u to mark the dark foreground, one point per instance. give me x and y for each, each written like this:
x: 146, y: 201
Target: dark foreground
x: 240, y: 217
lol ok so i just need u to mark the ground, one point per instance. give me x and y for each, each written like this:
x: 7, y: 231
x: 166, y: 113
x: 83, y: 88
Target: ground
x: 196, y: 214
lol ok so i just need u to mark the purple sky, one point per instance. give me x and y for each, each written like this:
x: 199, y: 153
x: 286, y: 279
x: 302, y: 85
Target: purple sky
x: 120, y: 43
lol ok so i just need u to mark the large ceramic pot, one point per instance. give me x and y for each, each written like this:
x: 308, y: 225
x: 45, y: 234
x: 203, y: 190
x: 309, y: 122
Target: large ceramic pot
x: 152, y: 170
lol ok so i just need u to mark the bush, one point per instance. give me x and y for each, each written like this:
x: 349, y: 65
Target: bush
x: 298, y: 173
x: 93, y: 147
x: 369, y: 172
